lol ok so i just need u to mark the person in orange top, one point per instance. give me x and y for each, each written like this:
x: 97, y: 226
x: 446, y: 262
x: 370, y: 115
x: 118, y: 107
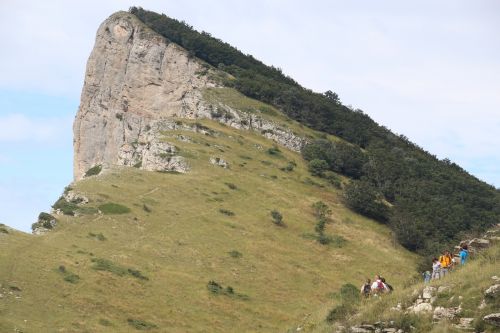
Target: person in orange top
x: 445, y: 261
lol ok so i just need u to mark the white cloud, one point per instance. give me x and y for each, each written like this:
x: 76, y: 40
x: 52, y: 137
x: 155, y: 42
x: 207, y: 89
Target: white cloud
x: 20, y: 128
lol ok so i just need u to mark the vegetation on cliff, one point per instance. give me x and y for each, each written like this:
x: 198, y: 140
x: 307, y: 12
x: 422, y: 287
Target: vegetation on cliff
x: 426, y: 201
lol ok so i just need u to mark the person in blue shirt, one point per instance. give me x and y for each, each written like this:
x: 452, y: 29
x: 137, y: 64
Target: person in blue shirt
x: 463, y: 254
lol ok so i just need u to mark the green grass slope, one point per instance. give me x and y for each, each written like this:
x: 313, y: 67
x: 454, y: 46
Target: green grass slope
x: 465, y: 288
x: 149, y: 267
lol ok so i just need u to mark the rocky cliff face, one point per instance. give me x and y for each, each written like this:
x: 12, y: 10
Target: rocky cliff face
x: 136, y: 81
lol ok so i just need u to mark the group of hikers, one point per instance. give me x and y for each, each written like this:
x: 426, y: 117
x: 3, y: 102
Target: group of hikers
x: 440, y: 267
x: 379, y: 286
x: 445, y: 263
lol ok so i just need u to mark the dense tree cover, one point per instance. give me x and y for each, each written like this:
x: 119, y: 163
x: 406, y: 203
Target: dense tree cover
x: 427, y: 202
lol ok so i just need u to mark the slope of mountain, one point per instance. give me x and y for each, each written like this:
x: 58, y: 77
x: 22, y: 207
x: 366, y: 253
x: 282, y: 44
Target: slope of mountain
x: 428, y: 203
x: 192, y: 208
x: 467, y: 299
x: 194, y: 246
x: 98, y: 272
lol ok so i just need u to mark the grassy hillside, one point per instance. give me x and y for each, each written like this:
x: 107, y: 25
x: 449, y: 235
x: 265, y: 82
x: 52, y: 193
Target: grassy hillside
x: 465, y: 288
x: 427, y: 202
x: 150, y: 268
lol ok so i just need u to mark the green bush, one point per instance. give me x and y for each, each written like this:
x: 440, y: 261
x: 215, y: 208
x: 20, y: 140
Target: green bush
x: 95, y: 170
x: 101, y: 264
x: 217, y: 289
x: 45, y: 220
x: 141, y: 325
x: 317, y: 167
x: 289, y: 167
x: 277, y: 218
x: 45, y: 217
x: 321, y: 210
x: 67, y: 208
x: 339, y: 312
x: 68, y: 276
x: 214, y: 287
x: 231, y: 186
x: 113, y: 208
x: 350, y: 299
x: 109, y: 266
x: 3, y: 230
x: 274, y: 150
x: 350, y: 293
x: 226, y: 212
x: 235, y: 254
x: 72, y: 278
x: 332, y: 178
x: 137, y: 274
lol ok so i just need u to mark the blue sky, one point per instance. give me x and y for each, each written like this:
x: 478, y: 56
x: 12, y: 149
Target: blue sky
x: 426, y: 69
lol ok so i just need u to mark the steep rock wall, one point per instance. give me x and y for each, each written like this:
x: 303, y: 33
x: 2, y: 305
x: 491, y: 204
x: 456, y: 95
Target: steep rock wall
x: 134, y: 81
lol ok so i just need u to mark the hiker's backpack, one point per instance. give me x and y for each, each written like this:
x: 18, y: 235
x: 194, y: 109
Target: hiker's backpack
x: 380, y: 285
x: 366, y: 289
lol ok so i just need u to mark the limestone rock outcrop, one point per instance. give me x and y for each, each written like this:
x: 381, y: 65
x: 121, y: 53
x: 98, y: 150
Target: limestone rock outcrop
x: 136, y: 83
x: 134, y: 77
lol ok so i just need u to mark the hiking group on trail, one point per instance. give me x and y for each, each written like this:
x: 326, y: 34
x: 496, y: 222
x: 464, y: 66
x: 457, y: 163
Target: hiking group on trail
x: 379, y: 286
x: 441, y: 267
x: 446, y: 262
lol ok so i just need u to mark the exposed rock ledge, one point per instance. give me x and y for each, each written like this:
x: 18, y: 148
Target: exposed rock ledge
x: 135, y: 80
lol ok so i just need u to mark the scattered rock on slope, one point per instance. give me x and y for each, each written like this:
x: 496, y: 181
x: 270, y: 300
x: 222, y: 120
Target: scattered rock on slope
x: 493, y: 319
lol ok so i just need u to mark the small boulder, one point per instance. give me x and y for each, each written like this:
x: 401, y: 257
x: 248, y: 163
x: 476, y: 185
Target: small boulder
x: 358, y: 329
x: 443, y: 289
x: 465, y: 324
x: 493, y: 319
x: 441, y: 313
x: 421, y: 308
x: 479, y: 243
x: 493, y: 291
x: 219, y: 162
x: 428, y: 292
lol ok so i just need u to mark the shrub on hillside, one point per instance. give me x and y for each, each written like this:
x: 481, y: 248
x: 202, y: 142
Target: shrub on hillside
x: 214, y: 287
x: 113, y: 208
x: 141, y: 325
x: 45, y: 220
x: 277, y: 218
x: 274, y: 150
x: 72, y: 278
x: 226, y: 212
x: 332, y: 178
x: 289, y: 167
x: 317, y: 167
x: 67, y: 208
x: 235, y: 254
x: 349, y: 301
x: 95, y: 170
x: 231, y: 186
